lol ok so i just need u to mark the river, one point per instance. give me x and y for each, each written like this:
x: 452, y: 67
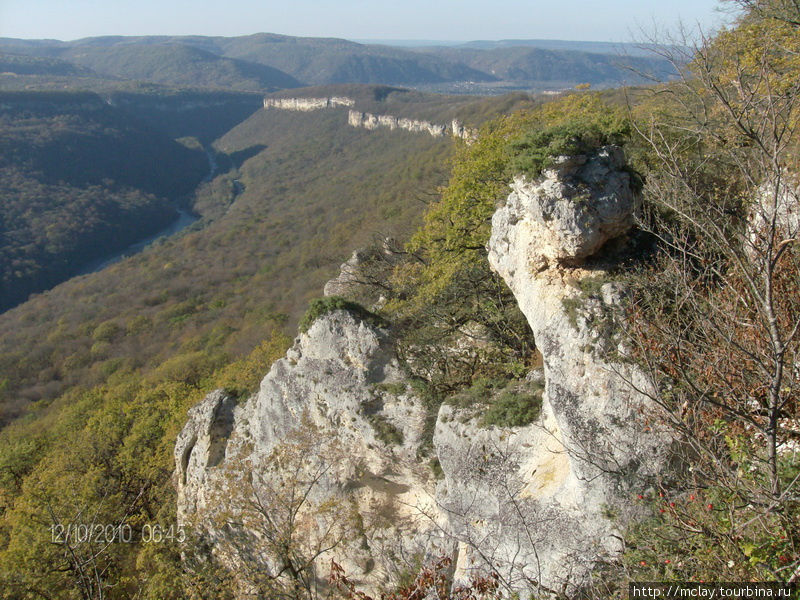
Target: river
x: 181, y: 222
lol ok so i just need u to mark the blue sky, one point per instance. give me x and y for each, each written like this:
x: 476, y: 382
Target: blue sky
x: 607, y: 20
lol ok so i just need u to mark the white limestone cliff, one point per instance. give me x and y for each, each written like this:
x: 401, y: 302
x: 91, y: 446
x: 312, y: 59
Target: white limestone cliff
x: 539, y: 504
x: 342, y: 382
x: 371, y: 121
x: 308, y: 104
x: 549, y: 500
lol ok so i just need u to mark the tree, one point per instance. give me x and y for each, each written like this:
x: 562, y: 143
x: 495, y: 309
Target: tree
x: 445, y: 294
x: 715, y: 321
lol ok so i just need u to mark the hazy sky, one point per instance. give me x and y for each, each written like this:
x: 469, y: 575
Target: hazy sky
x: 611, y: 20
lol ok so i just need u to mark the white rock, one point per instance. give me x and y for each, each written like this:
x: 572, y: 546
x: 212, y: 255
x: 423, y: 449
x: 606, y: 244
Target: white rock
x: 538, y: 237
x: 573, y: 209
x: 535, y: 502
x: 332, y: 376
x: 307, y: 104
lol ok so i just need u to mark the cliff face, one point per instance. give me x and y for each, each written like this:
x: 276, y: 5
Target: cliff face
x: 370, y: 121
x: 356, y: 118
x: 341, y: 386
x: 540, y: 504
x: 571, y: 472
x: 308, y: 104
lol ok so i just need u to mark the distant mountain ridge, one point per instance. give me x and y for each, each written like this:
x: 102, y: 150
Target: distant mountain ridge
x: 267, y: 61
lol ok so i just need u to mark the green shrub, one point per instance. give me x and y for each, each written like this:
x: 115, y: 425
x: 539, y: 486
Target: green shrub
x: 436, y: 467
x: 576, y: 125
x: 479, y: 392
x: 505, y: 403
x: 322, y: 306
x: 139, y: 324
x: 513, y: 408
x: 396, y: 389
x: 106, y: 331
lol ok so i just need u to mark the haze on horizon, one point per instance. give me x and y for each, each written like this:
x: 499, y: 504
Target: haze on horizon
x: 454, y: 20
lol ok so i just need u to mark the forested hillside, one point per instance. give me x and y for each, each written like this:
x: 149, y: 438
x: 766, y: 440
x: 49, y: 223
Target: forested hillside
x: 179, y: 65
x: 132, y: 346
x: 19, y: 64
x: 80, y: 179
x: 557, y: 67
x: 303, y: 190
x: 265, y: 61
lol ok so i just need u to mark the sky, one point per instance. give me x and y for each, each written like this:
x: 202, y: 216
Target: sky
x: 458, y: 20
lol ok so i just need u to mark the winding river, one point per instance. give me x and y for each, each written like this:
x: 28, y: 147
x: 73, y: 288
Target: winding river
x: 181, y: 222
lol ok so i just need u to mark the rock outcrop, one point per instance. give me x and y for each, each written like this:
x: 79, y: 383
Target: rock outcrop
x: 575, y: 483
x: 577, y: 205
x: 349, y: 277
x: 308, y: 104
x: 777, y: 207
x: 539, y: 504
x: 341, y: 387
x: 371, y: 121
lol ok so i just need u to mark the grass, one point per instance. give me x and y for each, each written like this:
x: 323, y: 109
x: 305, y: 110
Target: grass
x: 513, y: 409
x: 501, y: 402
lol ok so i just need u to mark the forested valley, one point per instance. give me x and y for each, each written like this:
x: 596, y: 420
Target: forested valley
x: 99, y: 371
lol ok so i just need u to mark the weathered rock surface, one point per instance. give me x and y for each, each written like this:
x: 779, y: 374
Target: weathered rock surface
x: 539, y: 504
x: 572, y: 210
x: 778, y: 203
x: 363, y: 276
x: 365, y: 120
x: 348, y: 277
x: 370, y: 121
x: 342, y: 382
x: 578, y: 478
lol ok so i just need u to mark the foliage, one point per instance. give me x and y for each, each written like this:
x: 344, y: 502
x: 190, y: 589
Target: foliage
x: 385, y: 431
x: 179, y: 66
x: 285, y: 220
x: 447, y: 291
x: 714, y: 322
x: 501, y: 402
x: 79, y: 182
x: 444, y: 295
x: 513, y: 409
x: 322, y: 306
x: 262, y: 60
x: 692, y: 534
x: 117, y: 357
x: 577, y: 125
x: 431, y: 581
x: 39, y: 65
x: 104, y: 457
x: 120, y: 356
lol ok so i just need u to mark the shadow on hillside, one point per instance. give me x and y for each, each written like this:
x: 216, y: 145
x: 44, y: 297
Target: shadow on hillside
x: 238, y: 158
